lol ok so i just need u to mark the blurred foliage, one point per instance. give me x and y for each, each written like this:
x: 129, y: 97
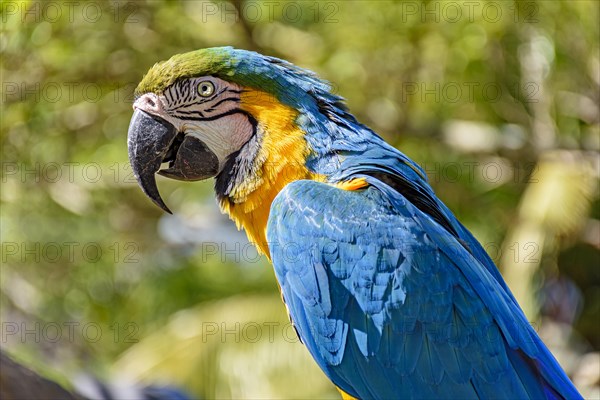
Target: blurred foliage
x: 498, y: 101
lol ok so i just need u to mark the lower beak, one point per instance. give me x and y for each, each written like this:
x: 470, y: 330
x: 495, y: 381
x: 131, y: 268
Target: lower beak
x: 152, y: 141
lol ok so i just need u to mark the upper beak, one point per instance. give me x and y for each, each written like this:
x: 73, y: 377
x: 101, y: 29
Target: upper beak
x: 152, y: 140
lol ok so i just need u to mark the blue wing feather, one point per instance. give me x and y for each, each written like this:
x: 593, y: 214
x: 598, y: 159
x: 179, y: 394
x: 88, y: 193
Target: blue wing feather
x: 392, y: 304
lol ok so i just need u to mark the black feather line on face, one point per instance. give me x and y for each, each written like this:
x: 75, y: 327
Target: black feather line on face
x: 212, y: 108
x: 183, y: 95
x: 213, y: 117
x: 186, y: 114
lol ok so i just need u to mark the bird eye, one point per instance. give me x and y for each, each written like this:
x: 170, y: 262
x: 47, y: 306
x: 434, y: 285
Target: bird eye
x: 206, y: 88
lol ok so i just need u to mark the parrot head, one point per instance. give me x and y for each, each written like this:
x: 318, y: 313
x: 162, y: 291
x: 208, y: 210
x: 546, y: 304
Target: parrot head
x: 220, y: 112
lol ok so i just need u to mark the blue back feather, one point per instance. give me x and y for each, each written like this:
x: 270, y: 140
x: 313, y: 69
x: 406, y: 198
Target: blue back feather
x: 392, y: 295
x: 392, y: 306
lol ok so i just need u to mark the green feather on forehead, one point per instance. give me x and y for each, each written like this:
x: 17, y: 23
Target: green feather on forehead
x: 214, y: 61
x: 290, y: 84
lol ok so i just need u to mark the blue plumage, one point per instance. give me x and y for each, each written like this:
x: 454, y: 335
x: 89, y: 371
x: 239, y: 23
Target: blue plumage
x: 400, y: 309
x: 391, y: 294
x: 393, y: 297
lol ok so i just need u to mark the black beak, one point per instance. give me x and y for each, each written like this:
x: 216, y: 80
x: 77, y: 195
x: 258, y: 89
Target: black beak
x: 152, y: 141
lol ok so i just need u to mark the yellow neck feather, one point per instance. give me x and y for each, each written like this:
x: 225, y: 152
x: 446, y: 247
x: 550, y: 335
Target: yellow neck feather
x: 282, y: 159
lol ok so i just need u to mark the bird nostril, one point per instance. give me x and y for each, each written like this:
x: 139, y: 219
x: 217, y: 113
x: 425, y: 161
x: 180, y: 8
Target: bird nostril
x: 150, y: 102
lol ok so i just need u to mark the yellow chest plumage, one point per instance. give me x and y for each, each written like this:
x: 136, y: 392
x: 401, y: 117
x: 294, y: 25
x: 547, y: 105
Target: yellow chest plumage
x: 281, y: 160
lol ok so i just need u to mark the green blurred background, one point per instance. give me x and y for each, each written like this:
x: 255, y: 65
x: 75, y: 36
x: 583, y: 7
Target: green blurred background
x: 498, y: 101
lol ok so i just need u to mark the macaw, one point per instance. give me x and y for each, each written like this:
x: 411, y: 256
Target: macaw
x: 392, y: 296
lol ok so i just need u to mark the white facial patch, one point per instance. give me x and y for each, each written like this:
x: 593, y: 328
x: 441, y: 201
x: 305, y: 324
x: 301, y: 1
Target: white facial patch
x: 224, y: 135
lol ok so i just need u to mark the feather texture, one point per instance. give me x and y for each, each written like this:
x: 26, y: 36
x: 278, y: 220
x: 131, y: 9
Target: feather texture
x: 400, y: 308
x: 392, y: 296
